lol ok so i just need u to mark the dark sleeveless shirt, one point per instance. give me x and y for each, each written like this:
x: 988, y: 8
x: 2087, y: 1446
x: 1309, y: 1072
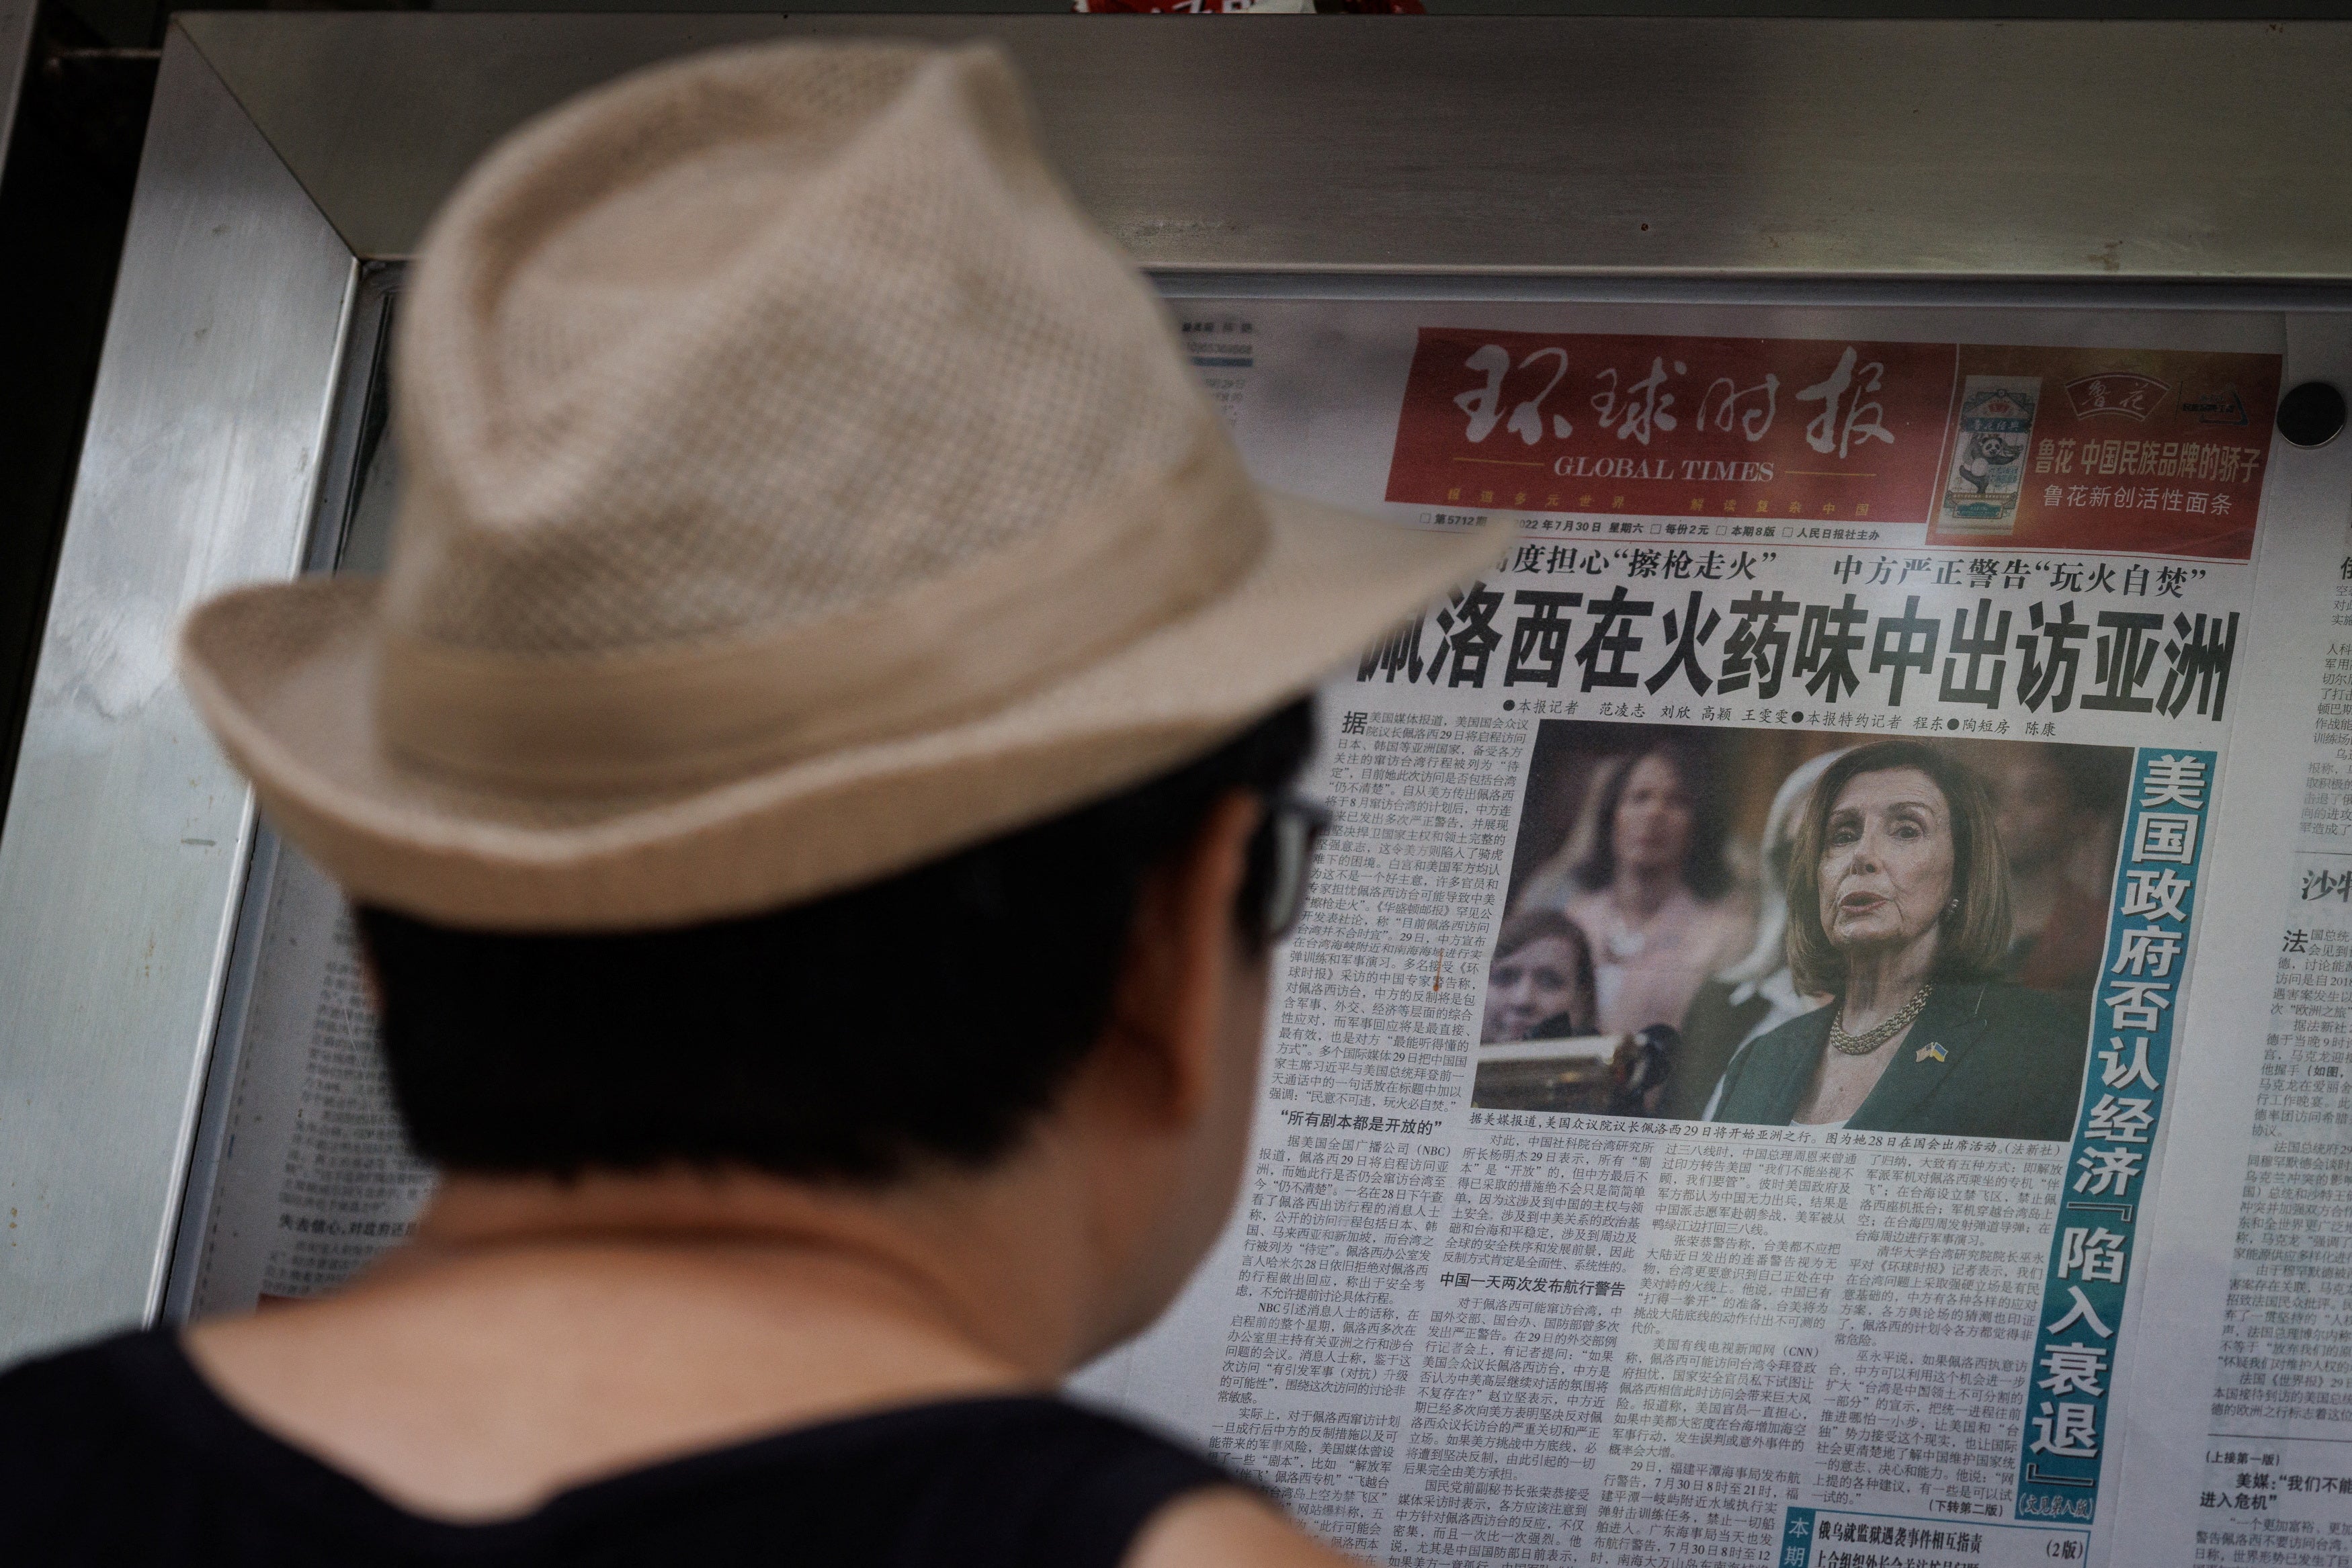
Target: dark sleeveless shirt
x: 119, y: 1453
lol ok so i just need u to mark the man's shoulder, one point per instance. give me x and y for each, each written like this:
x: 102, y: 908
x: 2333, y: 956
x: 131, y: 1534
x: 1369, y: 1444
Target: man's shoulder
x: 1230, y: 1528
x: 75, y: 1448
x: 78, y: 1384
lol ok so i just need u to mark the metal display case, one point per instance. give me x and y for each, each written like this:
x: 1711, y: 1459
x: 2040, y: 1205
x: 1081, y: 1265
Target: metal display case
x: 15, y: 49
x: 292, y: 160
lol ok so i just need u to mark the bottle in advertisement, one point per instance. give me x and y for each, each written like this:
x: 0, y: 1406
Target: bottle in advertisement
x: 1988, y: 471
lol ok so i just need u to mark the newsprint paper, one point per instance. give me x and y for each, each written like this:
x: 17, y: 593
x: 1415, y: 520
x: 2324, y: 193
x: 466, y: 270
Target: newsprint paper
x: 1564, y: 1238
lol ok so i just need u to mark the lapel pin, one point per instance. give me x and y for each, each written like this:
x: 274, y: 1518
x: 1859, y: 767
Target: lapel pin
x: 1931, y: 1051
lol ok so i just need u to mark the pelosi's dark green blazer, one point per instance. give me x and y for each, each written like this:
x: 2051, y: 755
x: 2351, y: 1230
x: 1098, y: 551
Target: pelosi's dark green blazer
x: 1983, y: 1059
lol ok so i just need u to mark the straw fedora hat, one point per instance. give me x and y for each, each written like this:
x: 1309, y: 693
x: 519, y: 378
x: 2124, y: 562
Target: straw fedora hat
x: 798, y: 489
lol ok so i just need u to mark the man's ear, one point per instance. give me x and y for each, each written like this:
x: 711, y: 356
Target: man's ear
x: 1183, y: 953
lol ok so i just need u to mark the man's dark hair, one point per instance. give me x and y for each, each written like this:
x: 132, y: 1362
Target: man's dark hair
x: 924, y: 1019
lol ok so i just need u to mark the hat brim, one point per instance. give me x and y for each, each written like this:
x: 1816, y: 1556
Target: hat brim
x: 283, y: 673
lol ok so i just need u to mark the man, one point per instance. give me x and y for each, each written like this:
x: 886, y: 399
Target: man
x: 813, y: 544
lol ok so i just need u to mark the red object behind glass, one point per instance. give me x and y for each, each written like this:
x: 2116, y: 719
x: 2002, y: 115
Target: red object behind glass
x: 1259, y: 7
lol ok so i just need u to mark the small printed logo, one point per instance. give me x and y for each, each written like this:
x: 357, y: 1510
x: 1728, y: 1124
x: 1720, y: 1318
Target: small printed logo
x: 2224, y: 407
x: 1223, y: 343
x: 2118, y: 392
x: 1931, y: 1051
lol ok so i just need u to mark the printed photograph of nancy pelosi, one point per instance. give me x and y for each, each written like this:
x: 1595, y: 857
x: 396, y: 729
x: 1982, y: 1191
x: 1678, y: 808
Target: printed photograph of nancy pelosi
x: 1890, y: 936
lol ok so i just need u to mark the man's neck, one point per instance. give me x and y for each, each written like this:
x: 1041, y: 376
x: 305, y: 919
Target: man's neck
x: 935, y: 1254
x: 538, y: 1334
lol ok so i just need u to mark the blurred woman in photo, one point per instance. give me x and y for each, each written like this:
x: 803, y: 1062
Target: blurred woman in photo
x: 1755, y: 995
x: 2058, y: 931
x: 1650, y: 890
x: 1540, y: 982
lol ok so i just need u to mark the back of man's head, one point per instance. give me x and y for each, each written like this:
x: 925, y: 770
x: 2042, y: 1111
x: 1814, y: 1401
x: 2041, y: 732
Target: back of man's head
x: 923, y: 1020
x: 798, y: 491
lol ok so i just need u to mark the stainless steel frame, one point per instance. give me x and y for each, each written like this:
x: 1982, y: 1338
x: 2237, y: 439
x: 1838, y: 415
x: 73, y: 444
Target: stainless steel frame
x: 1558, y: 158
x: 16, y: 55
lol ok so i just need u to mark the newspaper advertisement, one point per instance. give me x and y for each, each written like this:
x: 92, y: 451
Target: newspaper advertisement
x: 1566, y: 1239
x: 1577, y: 1228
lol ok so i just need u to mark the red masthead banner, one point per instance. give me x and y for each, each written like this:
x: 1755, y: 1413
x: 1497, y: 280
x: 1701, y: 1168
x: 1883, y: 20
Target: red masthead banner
x: 1755, y: 427
x: 1984, y: 445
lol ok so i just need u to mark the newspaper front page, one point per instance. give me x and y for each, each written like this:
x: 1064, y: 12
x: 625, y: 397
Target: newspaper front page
x: 1558, y: 1244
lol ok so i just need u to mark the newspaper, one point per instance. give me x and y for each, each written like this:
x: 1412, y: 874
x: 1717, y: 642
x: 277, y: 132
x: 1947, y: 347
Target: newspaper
x: 1546, y: 1254
x: 1539, y: 1260
x: 315, y: 1177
